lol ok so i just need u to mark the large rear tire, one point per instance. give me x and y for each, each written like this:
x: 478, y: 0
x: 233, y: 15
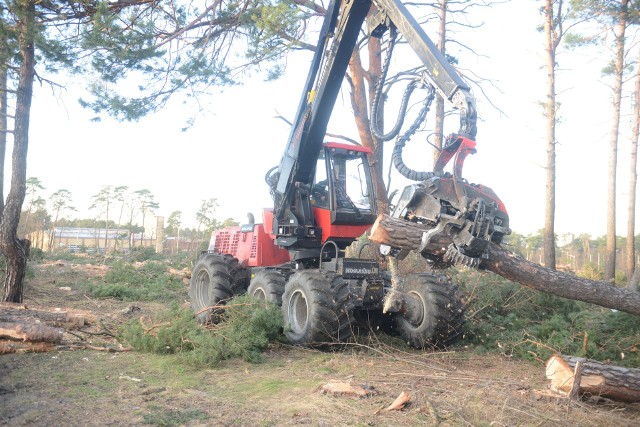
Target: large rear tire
x: 267, y: 285
x: 439, y: 317
x: 317, y: 308
x: 240, y: 276
x: 214, y: 280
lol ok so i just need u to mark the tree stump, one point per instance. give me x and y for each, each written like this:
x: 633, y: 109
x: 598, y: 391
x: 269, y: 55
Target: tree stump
x: 596, y: 378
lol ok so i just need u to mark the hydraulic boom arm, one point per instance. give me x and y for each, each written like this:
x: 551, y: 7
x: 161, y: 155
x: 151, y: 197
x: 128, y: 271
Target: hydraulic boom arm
x: 291, y: 182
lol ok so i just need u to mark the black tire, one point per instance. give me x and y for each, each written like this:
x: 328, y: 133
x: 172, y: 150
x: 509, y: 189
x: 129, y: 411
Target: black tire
x: 317, y: 308
x: 240, y: 276
x: 442, y: 317
x: 267, y: 285
x: 214, y: 280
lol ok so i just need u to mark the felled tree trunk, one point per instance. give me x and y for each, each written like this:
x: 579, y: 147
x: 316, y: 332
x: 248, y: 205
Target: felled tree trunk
x: 64, y: 319
x: 25, y: 347
x: 28, y: 329
x: 408, y: 235
x: 25, y: 329
x: 595, y: 378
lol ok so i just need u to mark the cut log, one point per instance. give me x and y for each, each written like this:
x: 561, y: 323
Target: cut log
x: 52, y: 317
x: 596, y: 379
x: 25, y: 347
x: 402, y: 234
x: 29, y: 329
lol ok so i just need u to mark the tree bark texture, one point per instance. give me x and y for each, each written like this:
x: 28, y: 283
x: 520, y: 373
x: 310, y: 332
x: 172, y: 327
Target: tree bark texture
x: 549, y: 244
x: 3, y: 124
x: 633, y: 179
x: 14, y: 249
x: 359, y: 103
x: 635, y: 279
x: 26, y: 347
x: 25, y: 329
x: 610, y: 261
x: 596, y: 378
x: 441, y: 45
x: 28, y: 329
x: 64, y: 319
x: 408, y: 235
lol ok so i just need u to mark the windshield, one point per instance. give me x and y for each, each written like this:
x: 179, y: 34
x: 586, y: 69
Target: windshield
x: 345, y: 187
x: 350, y: 181
x: 356, y: 183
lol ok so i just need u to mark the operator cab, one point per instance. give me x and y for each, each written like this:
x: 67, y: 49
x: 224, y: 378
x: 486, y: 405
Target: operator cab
x: 338, y: 205
x: 342, y: 194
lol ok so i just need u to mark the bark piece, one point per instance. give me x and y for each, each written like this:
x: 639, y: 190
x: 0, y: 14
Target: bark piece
x: 30, y: 330
x: 25, y: 347
x: 596, y: 378
x: 574, y: 394
x: 408, y: 235
x: 400, y: 402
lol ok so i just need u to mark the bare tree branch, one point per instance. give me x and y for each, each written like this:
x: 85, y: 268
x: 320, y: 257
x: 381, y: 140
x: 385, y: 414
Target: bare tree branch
x: 332, y: 135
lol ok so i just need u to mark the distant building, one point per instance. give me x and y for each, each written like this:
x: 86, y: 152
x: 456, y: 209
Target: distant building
x: 91, y: 240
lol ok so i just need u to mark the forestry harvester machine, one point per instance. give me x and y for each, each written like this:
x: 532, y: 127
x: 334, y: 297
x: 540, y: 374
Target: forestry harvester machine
x: 324, y: 200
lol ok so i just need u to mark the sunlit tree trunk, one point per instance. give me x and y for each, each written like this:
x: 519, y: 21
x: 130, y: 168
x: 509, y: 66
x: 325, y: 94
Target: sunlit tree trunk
x: 552, y: 41
x: 441, y: 45
x: 633, y: 174
x: 106, y: 230
x: 358, y: 79
x: 14, y: 249
x: 3, y: 126
x: 610, y: 262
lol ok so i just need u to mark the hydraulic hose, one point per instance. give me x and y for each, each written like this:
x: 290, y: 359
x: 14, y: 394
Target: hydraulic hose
x: 404, y: 170
x: 375, y: 130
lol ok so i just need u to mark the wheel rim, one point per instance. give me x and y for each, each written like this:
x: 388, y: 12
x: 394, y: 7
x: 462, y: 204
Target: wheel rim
x: 259, y: 294
x: 298, y: 312
x: 203, y: 285
x: 415, y: 317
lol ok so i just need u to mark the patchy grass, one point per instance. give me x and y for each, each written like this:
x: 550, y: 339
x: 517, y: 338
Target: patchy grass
x: 475, y: 383
x: 91, y: 388
x: 507, y: 318
x: 148, y: 282
x: 170, y: 417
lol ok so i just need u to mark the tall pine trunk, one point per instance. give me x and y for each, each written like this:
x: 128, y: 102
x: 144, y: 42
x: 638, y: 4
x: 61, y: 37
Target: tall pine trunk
x: 359, y: 78
x: 610, y: 262
x: 633, y: 162
x: 106, y: 231
x: 441, y: 45
x: 549, y: 245
x: 14, y: 249
x: 3, y: 124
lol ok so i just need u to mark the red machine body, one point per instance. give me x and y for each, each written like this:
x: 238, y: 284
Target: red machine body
x: 332, y: 231
x: 253, y: 245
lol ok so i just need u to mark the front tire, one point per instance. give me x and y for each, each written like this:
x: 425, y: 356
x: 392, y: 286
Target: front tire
x: 439, y: 317
x: 317, y: 308
x: 267, y: 285
x: 214, y: 280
